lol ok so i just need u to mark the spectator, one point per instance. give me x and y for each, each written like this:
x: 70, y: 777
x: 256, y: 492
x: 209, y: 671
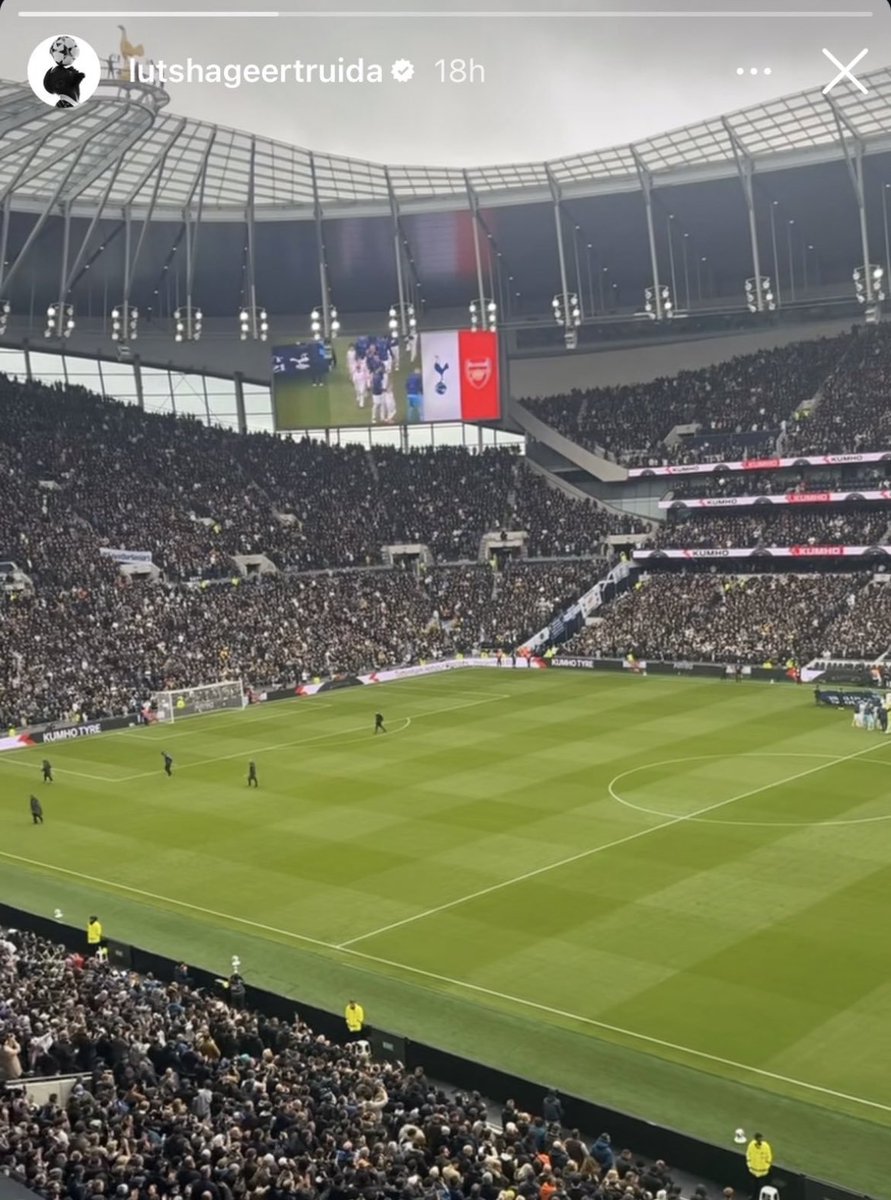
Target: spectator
x: 738, y: 406
x: 862, y: 627
x: 79, y: 474
x: 552, y: 1108
x: 786, y: 481
x: 853, y: 413
x: 861, y: 525
x: 95, y: 651
x: 279, y: 1113
x: 727, y: 619
x: 602, y: 1152
x: 10, y: 1063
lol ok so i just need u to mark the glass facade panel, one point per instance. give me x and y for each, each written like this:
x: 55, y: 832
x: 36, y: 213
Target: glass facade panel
x: 196, y: 396
x: 191, y: 404
x: 47, y: 367
x: 12, y: 363
x: 258, y: 423
x: 257, y: 400
x: 449, y: 435
x: 420, y: 436
x: 155, y: 383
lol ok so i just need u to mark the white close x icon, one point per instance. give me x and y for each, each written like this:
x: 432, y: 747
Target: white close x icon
x: 845, y: 72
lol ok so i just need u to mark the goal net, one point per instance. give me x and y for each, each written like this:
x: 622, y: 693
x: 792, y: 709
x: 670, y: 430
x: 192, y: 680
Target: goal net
x: 190, y: 702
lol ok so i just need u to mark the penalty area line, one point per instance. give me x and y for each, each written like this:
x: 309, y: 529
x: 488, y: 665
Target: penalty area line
x: 479, y: 989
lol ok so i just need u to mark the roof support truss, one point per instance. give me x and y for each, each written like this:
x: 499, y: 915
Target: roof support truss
x: 646, y: 183
x: 50, y: 205
x: 745, y: 166
x: 851, y: 144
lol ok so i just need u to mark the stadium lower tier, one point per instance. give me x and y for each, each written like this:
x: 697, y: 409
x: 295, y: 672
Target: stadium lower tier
x: 237, y: 1081
x: 750, y: 619
x: 101, y: 650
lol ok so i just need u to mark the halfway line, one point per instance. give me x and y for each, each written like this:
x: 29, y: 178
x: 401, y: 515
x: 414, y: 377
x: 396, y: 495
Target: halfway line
x: 630, y: 837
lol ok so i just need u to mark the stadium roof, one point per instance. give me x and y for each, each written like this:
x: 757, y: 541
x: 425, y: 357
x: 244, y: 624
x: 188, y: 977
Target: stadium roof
x: 125, y: 144
x: 113, y: 196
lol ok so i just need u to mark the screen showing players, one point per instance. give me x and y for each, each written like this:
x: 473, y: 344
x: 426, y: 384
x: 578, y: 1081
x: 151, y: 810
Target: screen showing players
x: 449, y: 375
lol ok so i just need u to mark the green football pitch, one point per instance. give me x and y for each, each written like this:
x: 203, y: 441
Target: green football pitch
x: 667, y: 895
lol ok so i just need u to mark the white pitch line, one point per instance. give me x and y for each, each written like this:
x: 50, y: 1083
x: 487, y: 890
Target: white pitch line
x: 29, y: 766
x: 247, y: 716
x: 622, y: 841
x: 629, y: 1033
x: 633, y: 1035
x: 337, y: 734
x: 247, y: 752
x: 167, y: 900
x: 666, y: 762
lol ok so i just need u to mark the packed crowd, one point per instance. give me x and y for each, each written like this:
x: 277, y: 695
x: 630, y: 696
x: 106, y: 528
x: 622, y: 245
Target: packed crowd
x: 102, y: 649
x: 790, y: 481
x: 444, y: 498
x: 716, y: 448
x: 776, y: 526
x: 749, y: 619
x: 750, y: 394
x: 551, y: 519
x: 78, y: 473
x: 183, y: 1095
x: 854, y: 413
x: 862, y: 629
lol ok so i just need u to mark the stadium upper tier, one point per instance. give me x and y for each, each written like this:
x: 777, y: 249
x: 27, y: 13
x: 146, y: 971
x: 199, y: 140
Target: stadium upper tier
x: 822, y: 397
x: 122, y: 139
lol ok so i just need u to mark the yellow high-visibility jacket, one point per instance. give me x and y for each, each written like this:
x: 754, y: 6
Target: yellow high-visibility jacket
x: 355, y: 1017
x: 759, y: 1158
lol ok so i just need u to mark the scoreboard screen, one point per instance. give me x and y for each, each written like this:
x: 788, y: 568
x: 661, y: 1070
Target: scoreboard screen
x: 449, y: 375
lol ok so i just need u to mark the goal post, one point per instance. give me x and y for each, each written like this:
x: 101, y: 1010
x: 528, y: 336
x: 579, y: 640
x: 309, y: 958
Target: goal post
x: 193, y: 702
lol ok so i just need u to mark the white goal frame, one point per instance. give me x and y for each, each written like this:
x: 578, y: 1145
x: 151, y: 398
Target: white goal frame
x: 197, y: 701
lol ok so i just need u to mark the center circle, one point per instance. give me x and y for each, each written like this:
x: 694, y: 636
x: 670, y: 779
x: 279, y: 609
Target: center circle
x: 705, y: 819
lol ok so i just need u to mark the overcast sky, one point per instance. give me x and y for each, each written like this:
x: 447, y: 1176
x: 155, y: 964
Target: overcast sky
x: 553, y: 85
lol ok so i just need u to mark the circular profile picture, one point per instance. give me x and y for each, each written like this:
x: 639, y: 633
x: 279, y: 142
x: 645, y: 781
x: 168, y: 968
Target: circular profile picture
x: 64, y: 71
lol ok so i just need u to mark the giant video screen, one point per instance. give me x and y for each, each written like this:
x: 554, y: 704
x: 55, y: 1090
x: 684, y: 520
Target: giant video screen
x: 379, y: 379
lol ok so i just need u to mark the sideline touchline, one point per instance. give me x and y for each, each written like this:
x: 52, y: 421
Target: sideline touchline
x: 592, y: 1022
